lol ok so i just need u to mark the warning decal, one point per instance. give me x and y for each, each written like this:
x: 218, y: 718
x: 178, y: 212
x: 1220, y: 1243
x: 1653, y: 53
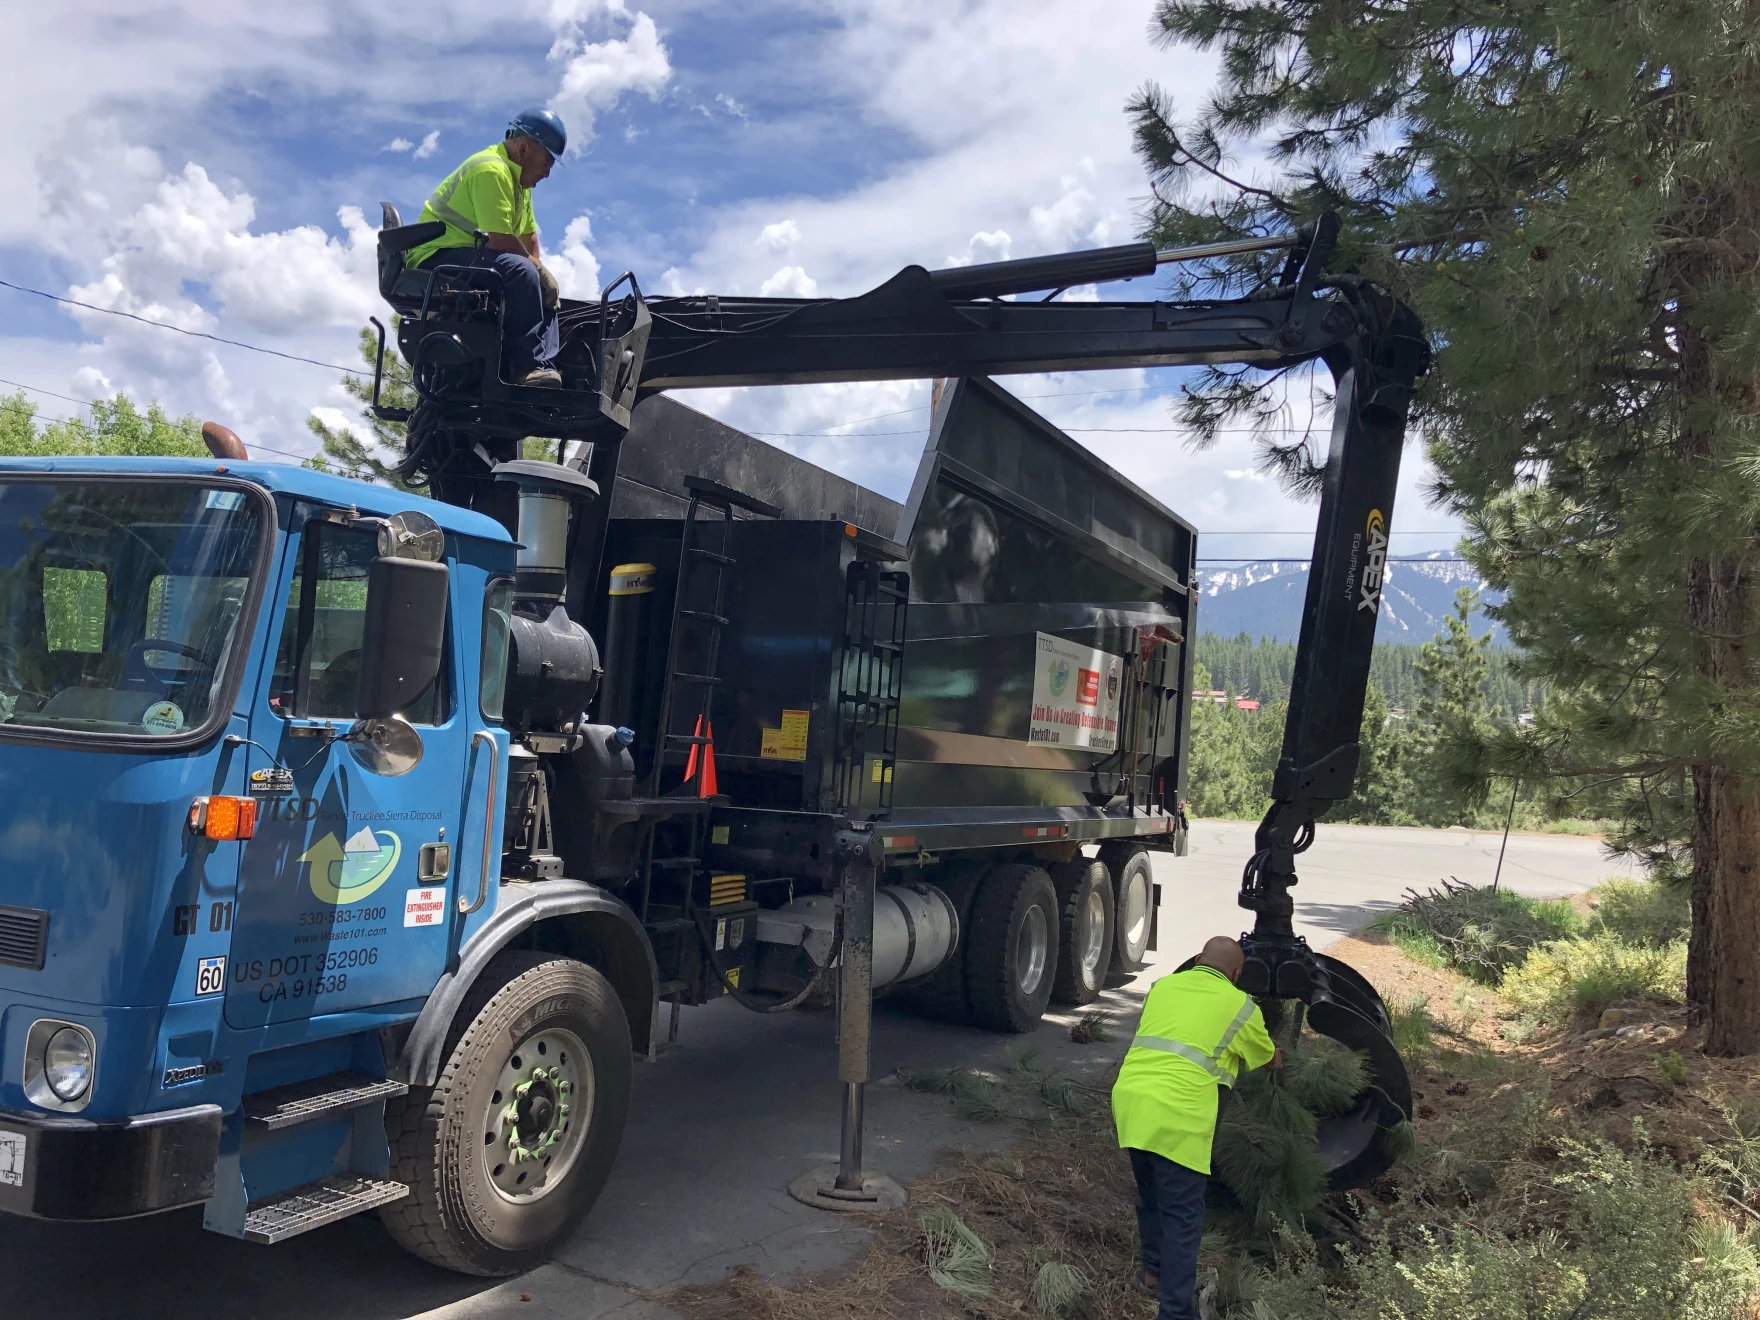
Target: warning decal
x: 789, y: 743
x: 12, y: 1147
x: 423, y: 907
x: 1075, y: 695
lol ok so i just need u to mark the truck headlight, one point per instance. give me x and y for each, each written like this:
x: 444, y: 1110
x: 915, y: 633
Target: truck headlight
x: 60, y: 1065
x: 67, y: 1063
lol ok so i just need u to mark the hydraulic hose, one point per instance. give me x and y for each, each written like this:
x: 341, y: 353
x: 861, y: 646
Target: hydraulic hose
x: 772, y: 1006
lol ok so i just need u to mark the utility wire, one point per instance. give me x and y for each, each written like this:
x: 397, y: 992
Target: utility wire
x: 1401, y: 559
x: 193, y: 334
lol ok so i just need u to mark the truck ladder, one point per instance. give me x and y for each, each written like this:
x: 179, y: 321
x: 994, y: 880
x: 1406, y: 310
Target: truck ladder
x: 868, y: 687
x: 708, y: 623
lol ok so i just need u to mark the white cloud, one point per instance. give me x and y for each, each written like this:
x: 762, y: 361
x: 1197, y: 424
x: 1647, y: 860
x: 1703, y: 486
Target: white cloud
x: 732, y: 106
x: 397, y: 144
x: 789, y: 282
x: 983, y: 247
x: 279, y: 281
x: 574, y: 266
x: 780, y: 237
x: 429, y: 144
x: 596, y: 74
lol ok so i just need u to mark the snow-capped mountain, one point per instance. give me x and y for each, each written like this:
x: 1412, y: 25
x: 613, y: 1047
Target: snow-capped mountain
x: 1265, y: 599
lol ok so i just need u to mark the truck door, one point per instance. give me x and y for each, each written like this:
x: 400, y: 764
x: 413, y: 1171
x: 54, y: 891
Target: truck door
x: 346, y: 893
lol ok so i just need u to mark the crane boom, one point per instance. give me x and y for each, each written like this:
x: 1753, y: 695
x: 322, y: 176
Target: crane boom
x: 919, y: 323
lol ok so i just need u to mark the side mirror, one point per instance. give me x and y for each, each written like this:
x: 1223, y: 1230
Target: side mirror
x: 402, y: 636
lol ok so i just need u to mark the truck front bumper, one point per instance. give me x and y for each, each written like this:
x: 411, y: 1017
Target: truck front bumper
x: 78, y: 1169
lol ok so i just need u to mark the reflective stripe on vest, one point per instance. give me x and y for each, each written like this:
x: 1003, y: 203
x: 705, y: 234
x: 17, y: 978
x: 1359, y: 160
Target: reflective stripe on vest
x: 441, y: 202
x: 1210, y: 1062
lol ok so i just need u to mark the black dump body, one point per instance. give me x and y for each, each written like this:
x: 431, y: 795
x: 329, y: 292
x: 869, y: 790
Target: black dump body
x: 1029, y: 692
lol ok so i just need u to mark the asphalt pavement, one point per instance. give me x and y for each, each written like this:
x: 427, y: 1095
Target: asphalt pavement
x: 720, y: 1126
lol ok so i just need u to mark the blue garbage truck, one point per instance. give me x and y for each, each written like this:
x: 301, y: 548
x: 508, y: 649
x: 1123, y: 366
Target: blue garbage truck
x: 358, y: 844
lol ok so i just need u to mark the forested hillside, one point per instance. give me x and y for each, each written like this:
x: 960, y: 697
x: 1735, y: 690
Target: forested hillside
x: 1420, y: 700
x: 1260, y: 668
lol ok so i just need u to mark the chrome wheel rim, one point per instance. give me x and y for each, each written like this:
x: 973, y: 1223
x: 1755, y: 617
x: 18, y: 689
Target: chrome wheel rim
x: 1135, y: 918
x: 1093, y: 935
x: 537, y: 1118
x: 1032, y: 944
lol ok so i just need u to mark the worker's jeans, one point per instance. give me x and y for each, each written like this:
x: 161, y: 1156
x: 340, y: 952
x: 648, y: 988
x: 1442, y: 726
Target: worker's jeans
x: 1170, y: 1222
x: 528, y: 332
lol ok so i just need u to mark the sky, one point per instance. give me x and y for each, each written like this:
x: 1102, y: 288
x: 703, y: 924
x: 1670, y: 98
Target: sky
x: 219, y: 167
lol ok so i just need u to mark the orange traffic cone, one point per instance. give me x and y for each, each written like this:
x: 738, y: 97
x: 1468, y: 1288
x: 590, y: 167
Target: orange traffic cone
x: 706, y: 785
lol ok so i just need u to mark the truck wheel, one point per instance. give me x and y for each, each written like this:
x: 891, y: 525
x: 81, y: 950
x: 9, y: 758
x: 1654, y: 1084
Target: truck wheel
x: 1012, y: 959
x: 1135, y: 883
x: 942, y: 994
x: 509, y: 1150
x: 1085, y: 933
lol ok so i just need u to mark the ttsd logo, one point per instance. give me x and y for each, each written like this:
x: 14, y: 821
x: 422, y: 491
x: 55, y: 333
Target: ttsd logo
x: 1376, y: 569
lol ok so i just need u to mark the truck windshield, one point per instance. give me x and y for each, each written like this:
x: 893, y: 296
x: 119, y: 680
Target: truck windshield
x: 119, y: 602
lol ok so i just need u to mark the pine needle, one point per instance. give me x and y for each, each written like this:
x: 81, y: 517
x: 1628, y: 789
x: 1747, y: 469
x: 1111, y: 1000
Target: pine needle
x: 975, y: 1097
x: 956, y: 1257
x: 1094, y: 1027
x: 1058, y: 1287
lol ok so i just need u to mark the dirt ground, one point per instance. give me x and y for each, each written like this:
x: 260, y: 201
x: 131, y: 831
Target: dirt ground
x: 1063, y: 1192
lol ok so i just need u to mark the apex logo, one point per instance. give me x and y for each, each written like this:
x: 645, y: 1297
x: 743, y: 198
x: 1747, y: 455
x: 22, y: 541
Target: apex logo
x: 1376, y: 569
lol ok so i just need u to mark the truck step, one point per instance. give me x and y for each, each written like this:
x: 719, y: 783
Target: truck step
x: 316, y: 1204
x: 320, y: 1097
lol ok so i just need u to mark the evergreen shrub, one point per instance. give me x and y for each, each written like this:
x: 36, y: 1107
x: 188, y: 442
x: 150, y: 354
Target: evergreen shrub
x: 1590, y: 973
x: 1642, y: 912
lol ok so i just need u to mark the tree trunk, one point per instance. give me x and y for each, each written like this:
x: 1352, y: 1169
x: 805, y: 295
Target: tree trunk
x: 1723, y: 959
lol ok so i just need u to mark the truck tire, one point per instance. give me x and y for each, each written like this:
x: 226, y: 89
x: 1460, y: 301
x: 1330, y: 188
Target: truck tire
x: 509, y: 1150
x: 1133, y: 902
x: 942, y: 994
x: 1085, y: 931
x: 1012, y: 959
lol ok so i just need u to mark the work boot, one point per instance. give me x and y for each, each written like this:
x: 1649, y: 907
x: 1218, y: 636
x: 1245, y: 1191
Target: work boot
x: 1146, y: 1283
x: 547, y: 377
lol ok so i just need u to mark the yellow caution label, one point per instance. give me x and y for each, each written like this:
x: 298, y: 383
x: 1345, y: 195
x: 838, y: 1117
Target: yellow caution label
x: 788, y: 743
x: 733, y: 977
x: 882, y: 773
x: 720, y: 833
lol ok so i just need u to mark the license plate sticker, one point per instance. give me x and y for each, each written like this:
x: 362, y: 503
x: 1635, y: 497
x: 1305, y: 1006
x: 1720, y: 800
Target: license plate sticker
x: 12, y: 1148
x: 210, y: 976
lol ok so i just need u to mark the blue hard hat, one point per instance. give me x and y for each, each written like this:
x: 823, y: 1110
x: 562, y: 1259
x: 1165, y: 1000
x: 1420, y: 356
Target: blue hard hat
x: 543, y: 127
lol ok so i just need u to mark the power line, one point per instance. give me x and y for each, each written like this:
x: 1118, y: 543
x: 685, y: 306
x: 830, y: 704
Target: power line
x: 193, y: 334
x: 87, y: 403
x: 1401, y: 559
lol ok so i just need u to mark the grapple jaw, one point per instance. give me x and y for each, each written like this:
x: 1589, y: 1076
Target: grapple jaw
x: 1341, y: 1004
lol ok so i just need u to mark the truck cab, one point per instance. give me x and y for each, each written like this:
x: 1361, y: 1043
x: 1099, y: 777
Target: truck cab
x: 225, y: 900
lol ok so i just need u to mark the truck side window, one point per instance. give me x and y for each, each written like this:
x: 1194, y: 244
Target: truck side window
x: 497, y: 621
x: 327, y: 636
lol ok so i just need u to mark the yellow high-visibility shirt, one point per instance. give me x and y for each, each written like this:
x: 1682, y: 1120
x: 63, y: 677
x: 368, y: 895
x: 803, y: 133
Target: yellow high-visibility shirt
x: 1196, y: 1034
x: 483, y: 193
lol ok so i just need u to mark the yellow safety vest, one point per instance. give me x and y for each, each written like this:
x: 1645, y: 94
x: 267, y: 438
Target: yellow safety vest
x: 481, y: 194
x: 1196, y: 1034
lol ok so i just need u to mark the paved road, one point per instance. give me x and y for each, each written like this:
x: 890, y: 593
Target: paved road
x: 719, y: 1127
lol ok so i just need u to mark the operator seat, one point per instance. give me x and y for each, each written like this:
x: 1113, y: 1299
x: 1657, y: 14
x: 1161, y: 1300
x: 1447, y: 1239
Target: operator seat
x: 400, y: 286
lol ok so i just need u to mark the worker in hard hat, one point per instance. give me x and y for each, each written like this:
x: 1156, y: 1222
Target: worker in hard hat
x: 1197, y: 1033
x: 491, y: 193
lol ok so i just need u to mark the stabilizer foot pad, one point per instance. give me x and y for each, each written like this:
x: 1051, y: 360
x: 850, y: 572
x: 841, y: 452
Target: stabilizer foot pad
x: 316, y: 1204
x: 819, y: 1189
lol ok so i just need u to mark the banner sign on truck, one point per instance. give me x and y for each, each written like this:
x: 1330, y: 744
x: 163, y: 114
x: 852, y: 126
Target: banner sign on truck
x: 1075, y: 695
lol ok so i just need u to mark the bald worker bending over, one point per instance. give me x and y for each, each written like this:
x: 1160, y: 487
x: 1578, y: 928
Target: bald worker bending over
x: 1196, y: 1035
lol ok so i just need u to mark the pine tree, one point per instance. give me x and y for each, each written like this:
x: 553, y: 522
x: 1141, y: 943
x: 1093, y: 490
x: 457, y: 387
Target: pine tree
x: 348, y: 454
x: 1569, y: 195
